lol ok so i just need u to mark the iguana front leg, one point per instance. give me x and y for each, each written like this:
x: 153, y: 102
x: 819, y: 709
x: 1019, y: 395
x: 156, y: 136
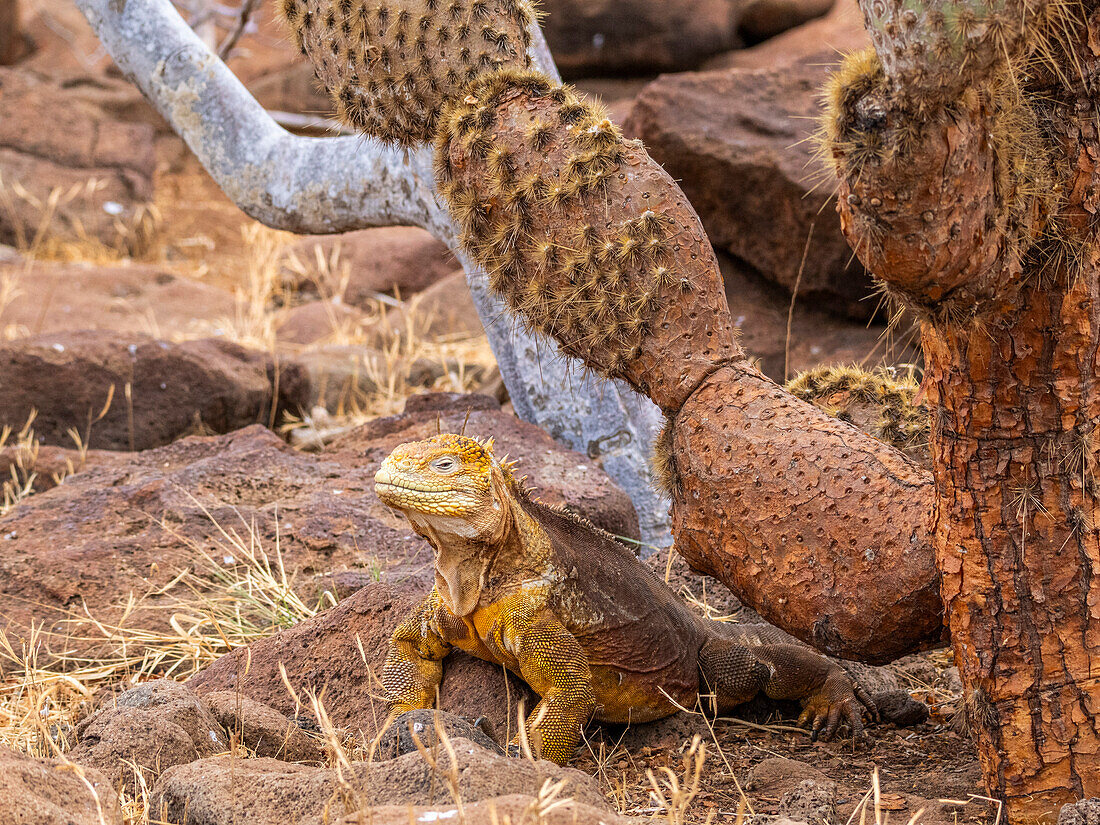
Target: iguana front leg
x: 553, y: 663
x: 413, y: 668
x: 737, y: 672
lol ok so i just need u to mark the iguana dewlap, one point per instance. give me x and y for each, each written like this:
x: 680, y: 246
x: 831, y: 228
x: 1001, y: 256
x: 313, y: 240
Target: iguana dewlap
x: 570, y: 610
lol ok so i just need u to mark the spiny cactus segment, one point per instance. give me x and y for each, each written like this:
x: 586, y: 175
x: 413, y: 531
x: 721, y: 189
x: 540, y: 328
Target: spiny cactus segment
x: 577, y: 228
x: 528, y: 168
x: 880, y: 402
x: 872, y: 138
x: 391, y: 65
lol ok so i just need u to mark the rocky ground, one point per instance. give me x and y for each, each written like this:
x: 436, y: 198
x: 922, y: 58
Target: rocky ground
x: 196, y: 582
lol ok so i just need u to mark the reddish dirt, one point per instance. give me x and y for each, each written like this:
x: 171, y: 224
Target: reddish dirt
x: 916, y: 769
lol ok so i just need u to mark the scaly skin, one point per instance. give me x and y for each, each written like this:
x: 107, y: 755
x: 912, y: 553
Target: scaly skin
x: 571, y: 611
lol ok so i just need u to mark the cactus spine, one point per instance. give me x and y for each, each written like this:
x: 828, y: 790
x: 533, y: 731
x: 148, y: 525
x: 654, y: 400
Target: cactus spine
x: 391, y: 66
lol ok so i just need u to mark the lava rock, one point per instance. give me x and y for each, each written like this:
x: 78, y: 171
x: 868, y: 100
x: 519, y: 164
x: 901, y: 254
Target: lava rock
x: 52, y: 792
x: 424, y: 726
x: 154, y: 726
x: 158, y: 391
x: 738, y: 141
x: 224, y: 790
x: 51, y: 140
x: 263, y: 729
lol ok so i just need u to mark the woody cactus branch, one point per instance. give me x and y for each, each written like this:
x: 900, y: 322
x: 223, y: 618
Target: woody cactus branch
x: 338, y: 184
x: 973, y: 199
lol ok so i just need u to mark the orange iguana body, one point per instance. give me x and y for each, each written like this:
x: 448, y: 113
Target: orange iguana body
x: 570, y: 610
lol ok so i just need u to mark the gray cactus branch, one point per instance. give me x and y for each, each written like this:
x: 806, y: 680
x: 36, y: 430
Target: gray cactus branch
x: 337, y: 184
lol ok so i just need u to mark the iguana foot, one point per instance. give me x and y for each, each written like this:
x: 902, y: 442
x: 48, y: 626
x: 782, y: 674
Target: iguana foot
x: 840, y: 699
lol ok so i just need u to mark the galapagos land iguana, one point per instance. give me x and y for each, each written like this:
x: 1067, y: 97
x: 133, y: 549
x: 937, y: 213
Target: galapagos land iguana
x: 571, y: 611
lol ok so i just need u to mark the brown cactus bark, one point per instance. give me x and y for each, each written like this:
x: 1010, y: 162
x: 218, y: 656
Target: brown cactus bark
x: 821, y: 528
x: 986, y: 225
x: 1017, y: 542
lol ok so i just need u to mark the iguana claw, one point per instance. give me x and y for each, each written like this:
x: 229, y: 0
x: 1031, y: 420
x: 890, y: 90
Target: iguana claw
x: 840, y: 699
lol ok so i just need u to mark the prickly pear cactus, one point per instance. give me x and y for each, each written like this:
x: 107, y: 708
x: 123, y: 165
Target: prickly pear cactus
x: 391, y: 65
x: 579, y: 230
x: 880, y: 402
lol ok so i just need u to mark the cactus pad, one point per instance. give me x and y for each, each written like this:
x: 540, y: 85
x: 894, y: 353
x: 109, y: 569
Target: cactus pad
x: 566, y: 217
x: 390, y: 65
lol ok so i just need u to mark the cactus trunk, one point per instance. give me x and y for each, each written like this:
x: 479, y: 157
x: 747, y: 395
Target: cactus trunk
x: 971, y: 193
x: 1014, y: 445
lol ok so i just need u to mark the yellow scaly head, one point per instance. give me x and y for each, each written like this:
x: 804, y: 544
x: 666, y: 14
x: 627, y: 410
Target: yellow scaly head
x: 449, y: 476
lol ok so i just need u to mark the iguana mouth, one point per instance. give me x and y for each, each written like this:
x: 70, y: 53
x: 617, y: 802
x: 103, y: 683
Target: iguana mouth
x: 409, y: 488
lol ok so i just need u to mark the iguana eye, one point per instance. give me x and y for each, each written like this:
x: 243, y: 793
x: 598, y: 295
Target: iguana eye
x: 444, y: 465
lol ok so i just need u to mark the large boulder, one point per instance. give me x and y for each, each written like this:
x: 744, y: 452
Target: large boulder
x: 622, y: 37
x: 762, y: 311
x: 70, y: 168
x: 389, y: 259
x: 763, y: 19
x: 130, y: 526
x: 54, y: 792
x: 227, y: 790
x: 319, y: 322
x: 262, y: 729
x: 636, y: 36
x: 11, y: 32
x: 158, y: 391
x: 150, y: 727
x: 443, y: 310
x: 840, y: 31
x: 740, y: 143
x: 142, y: 732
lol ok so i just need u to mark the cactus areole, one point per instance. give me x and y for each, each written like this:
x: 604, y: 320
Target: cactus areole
x: 966, y: 147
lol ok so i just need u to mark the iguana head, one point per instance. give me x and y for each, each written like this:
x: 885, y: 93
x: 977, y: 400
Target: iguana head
x: 452, y: 482
x: 459, y: 496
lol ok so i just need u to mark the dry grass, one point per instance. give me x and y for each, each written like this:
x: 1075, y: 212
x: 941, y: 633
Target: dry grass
x: 672, y: 794
x: 9, y: 291
x: 393, y: 335
x: 237, y: 591
x: 21, y: 473
x: 399, y: 356
x: 23, y: 476
x: 57, y: 235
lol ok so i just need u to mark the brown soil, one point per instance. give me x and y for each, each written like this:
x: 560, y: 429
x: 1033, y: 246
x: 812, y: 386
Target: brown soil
x: 917, y: 768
